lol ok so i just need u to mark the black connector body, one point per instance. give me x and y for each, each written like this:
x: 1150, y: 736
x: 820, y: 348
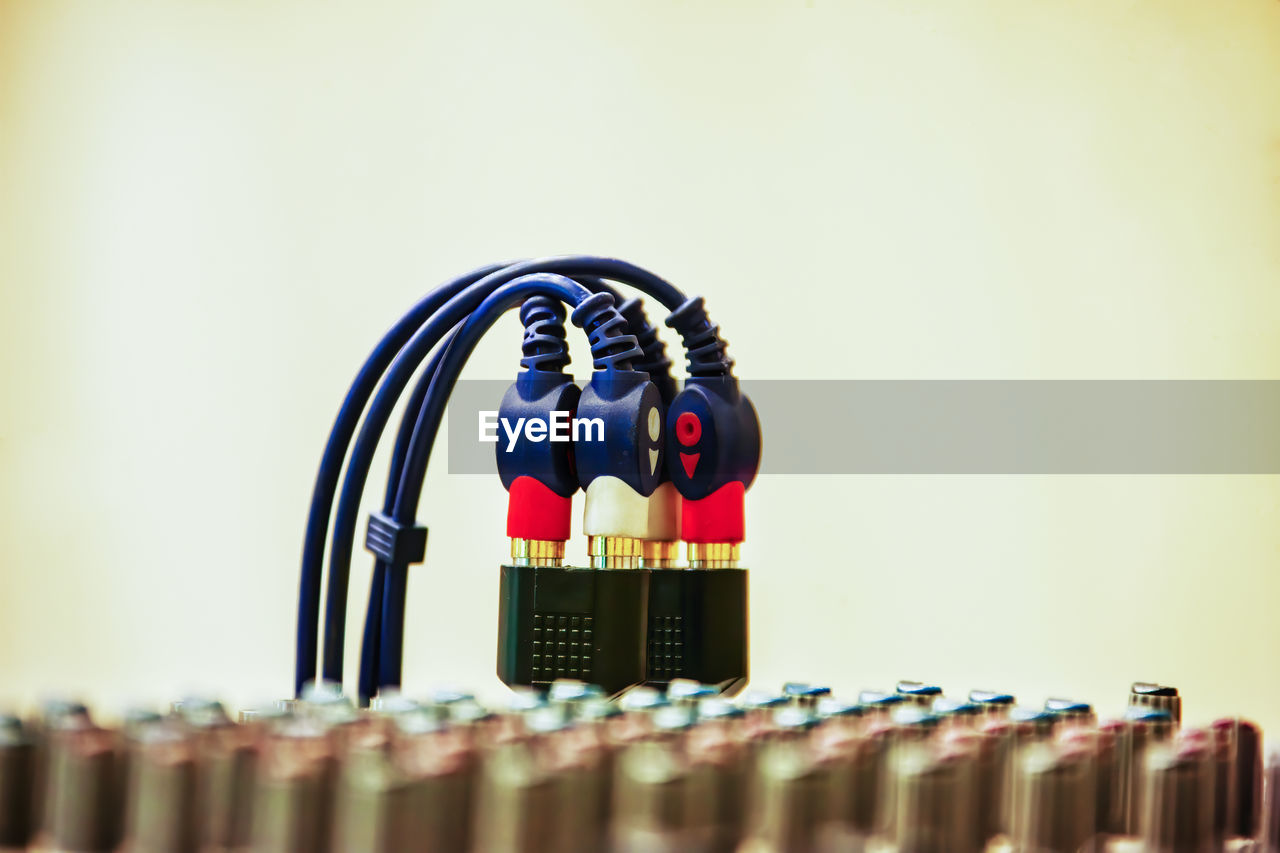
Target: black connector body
x: 698, y: 627
x: 586, y: 624
x: 618, y: 628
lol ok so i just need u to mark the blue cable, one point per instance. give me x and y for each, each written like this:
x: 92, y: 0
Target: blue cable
x: 463, y: 298
x: 332, y: 663
x: 330, y: 470
x: 391, y: 644
x: 368, y: 674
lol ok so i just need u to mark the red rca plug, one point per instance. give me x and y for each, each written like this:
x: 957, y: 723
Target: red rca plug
x: 713, y: 444
x: 536, y: 466
x: 698, y: 617
x: 715, y: 440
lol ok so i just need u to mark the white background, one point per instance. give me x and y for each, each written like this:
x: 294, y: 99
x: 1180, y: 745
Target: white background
x: 210, y: 211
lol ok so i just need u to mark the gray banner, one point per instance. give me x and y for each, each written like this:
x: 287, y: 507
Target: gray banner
x: 978, y: 427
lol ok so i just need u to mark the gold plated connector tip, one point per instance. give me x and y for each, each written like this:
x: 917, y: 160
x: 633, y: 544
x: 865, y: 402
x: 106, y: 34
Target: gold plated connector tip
x: 613, y: 552
x: 658, y: 555
x: 537, y: 552
x: 713, y: 555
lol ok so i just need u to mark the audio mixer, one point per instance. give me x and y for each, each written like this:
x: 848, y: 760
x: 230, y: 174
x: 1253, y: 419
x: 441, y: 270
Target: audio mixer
x: 628, y: 728
x: 684, y: 770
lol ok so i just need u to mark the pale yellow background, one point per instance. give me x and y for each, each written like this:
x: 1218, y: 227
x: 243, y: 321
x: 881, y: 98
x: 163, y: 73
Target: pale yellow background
x: 209, y: 211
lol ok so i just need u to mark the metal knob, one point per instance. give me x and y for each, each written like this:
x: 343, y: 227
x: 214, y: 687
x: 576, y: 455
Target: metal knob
x: 1157, y: 696
x: 1178, y: 803
x: 1054, y: 799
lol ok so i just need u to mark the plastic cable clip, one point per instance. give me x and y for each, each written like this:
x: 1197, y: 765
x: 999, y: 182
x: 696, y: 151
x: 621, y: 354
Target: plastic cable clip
x: 395, y: 543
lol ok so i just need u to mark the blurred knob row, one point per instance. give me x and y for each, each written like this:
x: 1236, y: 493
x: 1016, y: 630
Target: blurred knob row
x: 908, y: 770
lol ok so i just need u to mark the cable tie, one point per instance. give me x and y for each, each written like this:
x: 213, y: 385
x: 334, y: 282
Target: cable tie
x: 395, y: 543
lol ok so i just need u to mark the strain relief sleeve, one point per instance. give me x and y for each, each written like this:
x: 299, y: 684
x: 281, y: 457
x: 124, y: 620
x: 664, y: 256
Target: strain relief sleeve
x: 654, y: 360
x: 613, y: 348
x: 545, y: 346
x: 705, y: 349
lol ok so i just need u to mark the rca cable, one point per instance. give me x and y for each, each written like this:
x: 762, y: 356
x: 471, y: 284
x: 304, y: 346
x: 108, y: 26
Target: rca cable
x: 658, y: 465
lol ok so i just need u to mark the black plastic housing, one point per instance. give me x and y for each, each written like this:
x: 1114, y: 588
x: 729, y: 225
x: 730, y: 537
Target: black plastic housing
x: 587, y: 624
x: 698, y: 627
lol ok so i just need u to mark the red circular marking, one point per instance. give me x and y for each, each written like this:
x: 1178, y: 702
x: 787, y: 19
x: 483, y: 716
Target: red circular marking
x: 688, y: 429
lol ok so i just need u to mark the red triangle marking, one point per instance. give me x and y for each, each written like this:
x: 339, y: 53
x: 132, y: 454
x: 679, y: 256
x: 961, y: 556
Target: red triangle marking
x: 690, y: 462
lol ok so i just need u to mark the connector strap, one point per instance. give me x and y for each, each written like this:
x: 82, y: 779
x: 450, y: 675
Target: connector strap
x: 395, y: 543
